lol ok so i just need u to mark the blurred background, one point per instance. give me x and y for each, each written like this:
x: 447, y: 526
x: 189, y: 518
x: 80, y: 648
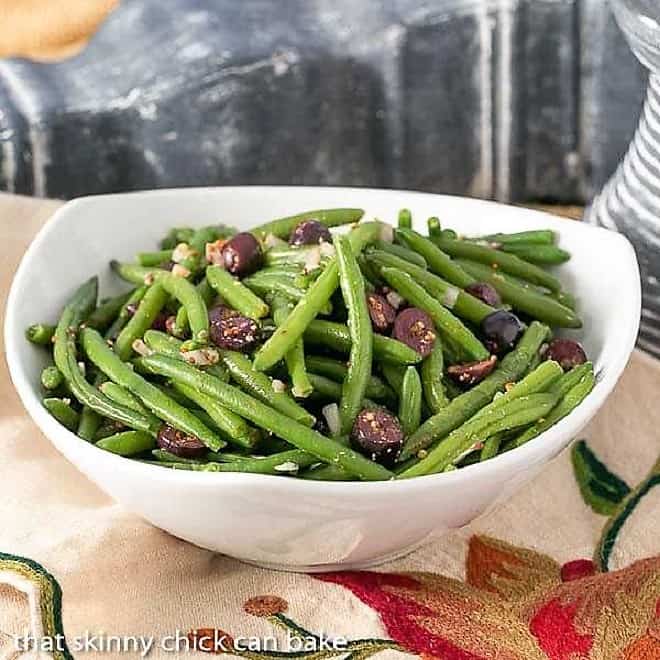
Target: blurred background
x: 521, y: 100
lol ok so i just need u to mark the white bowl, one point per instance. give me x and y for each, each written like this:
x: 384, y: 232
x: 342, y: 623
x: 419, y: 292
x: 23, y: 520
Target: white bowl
x: 277, y: 521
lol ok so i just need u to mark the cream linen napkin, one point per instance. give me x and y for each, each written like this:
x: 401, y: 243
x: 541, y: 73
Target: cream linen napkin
x: 568, y: 568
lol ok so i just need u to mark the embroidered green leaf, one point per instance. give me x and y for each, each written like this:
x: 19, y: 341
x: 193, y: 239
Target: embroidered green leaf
x: 601, y: 489
x: 44, y: 589
x: 621, y: 514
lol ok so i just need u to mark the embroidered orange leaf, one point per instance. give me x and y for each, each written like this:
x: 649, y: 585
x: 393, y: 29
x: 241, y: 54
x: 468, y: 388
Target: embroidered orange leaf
x: 504, y: 569
x: 644, y: 648
x: 517, y: 604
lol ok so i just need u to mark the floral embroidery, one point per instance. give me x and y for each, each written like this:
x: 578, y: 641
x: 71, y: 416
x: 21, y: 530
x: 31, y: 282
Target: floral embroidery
x: 44, y: 595
x: 272, y: 608
x: 517, y: 604
x: 600, y: 488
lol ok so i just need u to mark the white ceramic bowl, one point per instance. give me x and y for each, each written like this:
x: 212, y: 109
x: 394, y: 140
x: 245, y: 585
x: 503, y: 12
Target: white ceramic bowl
x: 277, y: 521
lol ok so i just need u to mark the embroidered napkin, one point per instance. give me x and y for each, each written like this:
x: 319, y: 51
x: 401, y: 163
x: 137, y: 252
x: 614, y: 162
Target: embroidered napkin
x: 568, y: 568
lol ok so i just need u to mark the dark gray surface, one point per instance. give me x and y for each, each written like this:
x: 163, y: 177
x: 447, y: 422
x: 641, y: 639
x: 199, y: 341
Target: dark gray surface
x: 524, y: 100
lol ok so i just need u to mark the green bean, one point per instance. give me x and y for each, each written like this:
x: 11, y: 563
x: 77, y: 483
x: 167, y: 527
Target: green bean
x: 284, y: 463
x: 490, y: 421
x: 124, y: 314
x: 154, y: 258
x: 64, y: 354
x: 566, y: 299
x: 177, y: 235
x: 371, y: 279
x: 447, y: 233
x: 51, y: 377
x: 469, y: 403
x: 401, y: 252
x: 326, y: 388
x: 569, y: 401
x: 200, y: 238
x: 336, y: 370
x: 571, y: 378
x: 492, y: 446
x: 93, y: 398
x: 410, y: 402
x: 160, y: 404
x: 302, y: 437
x: 394, y: 374
x: 283, y: 227
x: 451, y: 388
x: 90, y: 420
x: 280, y: 463
x: 105, y: 429
x: 171, y: 346
x: 122, y: 396
x: 151, y: 305
x: 236, y: 294
x: 509, y: 263
x: 167, y: 457
x: 562, y: 297
x: 445, y: 322
x: 190, y: 298
x: 337, y: 337
x: 211, y: 456
x: 513, y: 279
x: 328, y: 367
x: 295, y: 358
x: 107, y: 312
x: 62, y: 412
x: 40, y: 334
x: 234, y: 427
x: 325, y: 472
x: 361, y: 332
x: 438, y: 262
x: 207, y: 294
x: 302, y: 256
x: 432, y: 385
x: 291, y: 273
x: 70, y: 319
x: 405, y: 219
x: 535, y: 236
x: 261, y: 386
x: 305, y: 311
x: 180, y: 398
x: 288, y: 271
x: 539, y: 380
x: 137, y: 274
x: 461, y: 303
x: 536, y: 360
x: 434, y: 227
x: 538, y: 254
x: 128, y: 443
x: 268, y: 284
x: 526, y: 300
x: 84, y: 301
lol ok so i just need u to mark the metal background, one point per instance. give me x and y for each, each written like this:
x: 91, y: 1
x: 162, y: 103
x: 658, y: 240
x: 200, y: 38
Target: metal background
x: 526, y: 100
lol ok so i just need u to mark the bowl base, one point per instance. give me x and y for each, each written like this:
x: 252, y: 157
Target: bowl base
x: 342, y: 566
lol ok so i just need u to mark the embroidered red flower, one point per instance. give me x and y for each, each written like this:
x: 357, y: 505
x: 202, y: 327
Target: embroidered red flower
x: 517, y: 604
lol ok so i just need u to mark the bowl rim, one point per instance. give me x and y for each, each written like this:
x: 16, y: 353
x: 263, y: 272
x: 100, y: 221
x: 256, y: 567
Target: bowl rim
x: 512, y: 461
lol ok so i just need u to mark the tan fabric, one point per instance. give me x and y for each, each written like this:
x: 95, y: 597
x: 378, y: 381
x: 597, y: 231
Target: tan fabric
x: 122, y: 577
x: 48, y: 30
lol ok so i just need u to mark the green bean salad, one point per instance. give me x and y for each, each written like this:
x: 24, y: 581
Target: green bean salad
x: 370, y: 352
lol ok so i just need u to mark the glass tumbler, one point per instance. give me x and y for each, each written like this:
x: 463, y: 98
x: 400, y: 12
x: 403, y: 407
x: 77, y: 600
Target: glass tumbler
x: 630, y: 200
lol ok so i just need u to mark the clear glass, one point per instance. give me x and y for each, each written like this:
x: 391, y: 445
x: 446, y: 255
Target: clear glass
x: 630, y: 201
x: 640, y: 22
